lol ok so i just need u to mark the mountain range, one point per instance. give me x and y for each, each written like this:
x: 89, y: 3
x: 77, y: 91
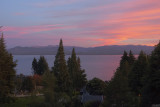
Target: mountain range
x: 101, y: 50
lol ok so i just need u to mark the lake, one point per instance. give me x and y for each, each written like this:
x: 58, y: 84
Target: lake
x: 101, y: 66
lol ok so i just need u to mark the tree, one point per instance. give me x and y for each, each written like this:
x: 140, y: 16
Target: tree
x: 82, y: 75
x: 7, y: 73
x: 37, y: 79
x: 18, y: 82
x: 117, y: 92
x: 60, y: 70
x: 124, y: 59
x: 151, y: 93
x: 77, y: 75
x: 48, y: 80
x: 73, y: 69
x: 28, y: 84
x: 96, y: 86
x: 124, y: 64
x: 35, y: 66
x: 42, y: 66
x: 137, y: 73
x: 131, y: 58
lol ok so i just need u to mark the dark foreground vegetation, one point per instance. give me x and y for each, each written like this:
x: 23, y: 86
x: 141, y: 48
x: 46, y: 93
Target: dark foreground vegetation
x: 136, y: 82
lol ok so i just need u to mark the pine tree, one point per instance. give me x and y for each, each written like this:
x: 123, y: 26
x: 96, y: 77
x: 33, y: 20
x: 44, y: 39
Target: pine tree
x: 151, y: 93
x: 131, y: 58
x: 117, y: 91
x: 52, y: 97
x: 82, y: 75
x: 137, y: 73
x: 124, y: 59
x: 72, y: 70
x: 35, y: 66
x: 7, y: 73
x: 78, y: 77
x: 42, y: 66
x: 60, y: 70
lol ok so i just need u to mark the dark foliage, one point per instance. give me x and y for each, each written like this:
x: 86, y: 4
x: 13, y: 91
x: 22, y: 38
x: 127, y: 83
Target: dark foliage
x: 117, y: 92
x: 137, y: 73
x: 151, y: 94
x: 40, y: 66
x: 60, y: 70
x: 7, y: 73
x: 28, y: 84
x: 35, y: 66
x: 77, y: 75
x: 96, y: 86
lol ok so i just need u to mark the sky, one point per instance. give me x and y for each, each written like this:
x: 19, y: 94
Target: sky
x: 85, y: 23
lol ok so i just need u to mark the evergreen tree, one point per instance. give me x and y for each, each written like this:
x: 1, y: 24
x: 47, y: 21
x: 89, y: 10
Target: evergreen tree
x: 77, y: 75
x: 131, y: 58
x: 35, y: 66
x: 117, y: 91
x: 138, y: 72
x: 82, y: 75
x: 79, y: 63
x: 73, y: 68
x: 124, y: 59
x: 60, y: 70
x: 151, y: 94
x: 7, y: 73
x: 42, y: 66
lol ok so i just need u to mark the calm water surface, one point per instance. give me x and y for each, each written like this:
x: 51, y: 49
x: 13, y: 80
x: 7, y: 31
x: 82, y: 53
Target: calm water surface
x: 101, y: 66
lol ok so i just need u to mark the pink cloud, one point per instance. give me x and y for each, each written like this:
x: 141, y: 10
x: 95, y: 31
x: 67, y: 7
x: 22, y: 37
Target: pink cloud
x: 133, y: 24
x: 34, y: 29
x: 112, y: 23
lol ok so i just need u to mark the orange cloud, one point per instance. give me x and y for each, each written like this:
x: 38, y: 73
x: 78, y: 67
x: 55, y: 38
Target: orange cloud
x: 142, y: 24
x: 105, y: 23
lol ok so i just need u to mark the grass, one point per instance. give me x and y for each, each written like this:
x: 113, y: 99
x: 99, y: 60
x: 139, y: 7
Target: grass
x: 23, y: 102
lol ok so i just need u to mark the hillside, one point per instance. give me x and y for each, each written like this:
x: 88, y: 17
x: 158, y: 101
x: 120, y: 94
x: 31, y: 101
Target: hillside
x: 101, y: 50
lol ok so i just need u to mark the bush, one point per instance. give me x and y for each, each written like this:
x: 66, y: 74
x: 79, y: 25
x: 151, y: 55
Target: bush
x: 92, y: 104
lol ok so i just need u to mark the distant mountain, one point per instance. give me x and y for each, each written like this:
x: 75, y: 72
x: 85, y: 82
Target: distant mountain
x: 101, y: 50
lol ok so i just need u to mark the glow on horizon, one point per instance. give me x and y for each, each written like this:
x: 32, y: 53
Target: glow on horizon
x: 85, y: 23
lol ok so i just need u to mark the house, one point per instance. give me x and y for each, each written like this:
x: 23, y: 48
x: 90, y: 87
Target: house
x: 86, y: 97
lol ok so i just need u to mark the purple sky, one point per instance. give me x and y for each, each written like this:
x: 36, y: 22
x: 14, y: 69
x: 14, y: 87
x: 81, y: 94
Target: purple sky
x: 85, y: 23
